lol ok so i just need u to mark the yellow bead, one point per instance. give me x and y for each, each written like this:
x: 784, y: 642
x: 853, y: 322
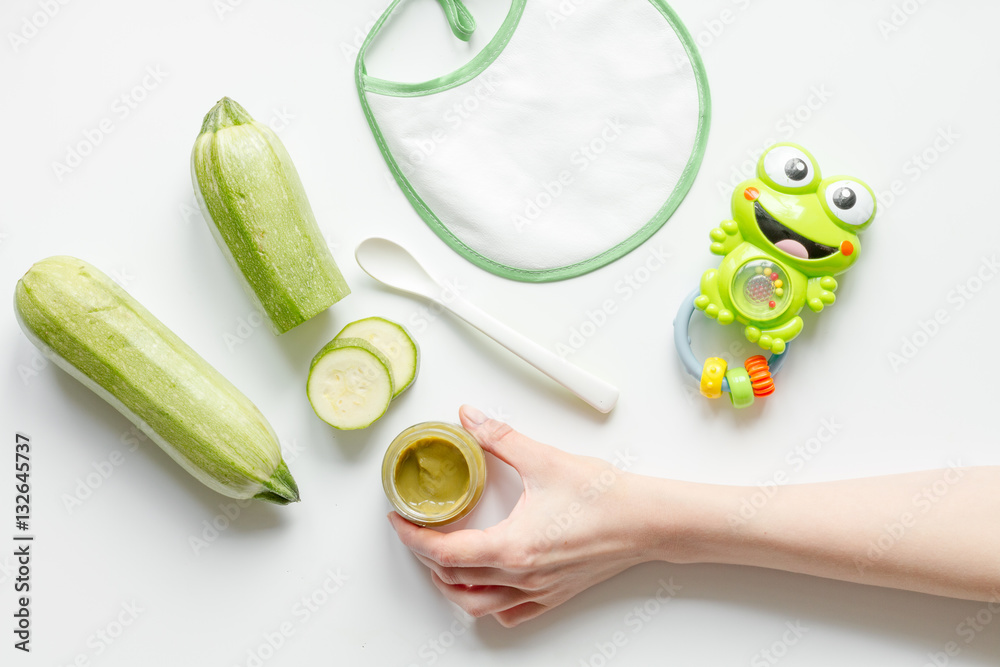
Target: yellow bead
x: 779, y: 292
x: 711, y: 377
x: 767, y: 271
x: 779, y: 283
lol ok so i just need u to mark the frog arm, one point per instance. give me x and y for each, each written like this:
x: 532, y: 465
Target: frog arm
x: 725, y: 238
x: 820, y: 292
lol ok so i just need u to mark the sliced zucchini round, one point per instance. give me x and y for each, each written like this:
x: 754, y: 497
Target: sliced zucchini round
x: 350, y: 384
x: 393, y: 341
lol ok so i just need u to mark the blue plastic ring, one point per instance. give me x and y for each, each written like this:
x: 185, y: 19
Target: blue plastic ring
x: 682, y: 339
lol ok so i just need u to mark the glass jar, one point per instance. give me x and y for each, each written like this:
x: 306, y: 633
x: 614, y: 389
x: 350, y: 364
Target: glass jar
x: 434, y: 473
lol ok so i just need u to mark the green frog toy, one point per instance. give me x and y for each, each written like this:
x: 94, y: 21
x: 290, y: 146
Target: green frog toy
x: 792, y: 231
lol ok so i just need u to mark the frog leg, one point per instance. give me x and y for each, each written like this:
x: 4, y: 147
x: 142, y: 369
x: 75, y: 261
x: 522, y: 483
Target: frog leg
x: 725, y: 238
x: 820, y: 292
x: 710, y: 300
x: 774, y: 339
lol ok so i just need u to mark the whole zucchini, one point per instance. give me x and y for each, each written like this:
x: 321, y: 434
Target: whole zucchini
x: 94, y: 330
x: 260, y: 217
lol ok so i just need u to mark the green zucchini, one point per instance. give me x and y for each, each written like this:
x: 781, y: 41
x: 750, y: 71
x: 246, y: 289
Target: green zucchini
x: 257, y: 210
x: 94, y: 330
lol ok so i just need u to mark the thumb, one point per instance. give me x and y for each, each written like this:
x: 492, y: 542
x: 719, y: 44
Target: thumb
x: 499, y: 439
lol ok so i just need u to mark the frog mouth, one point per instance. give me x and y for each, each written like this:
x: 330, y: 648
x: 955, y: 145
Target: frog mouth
x: 788, y: 241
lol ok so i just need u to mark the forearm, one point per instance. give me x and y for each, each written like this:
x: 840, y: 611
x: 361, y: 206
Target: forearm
x: 936, y: 532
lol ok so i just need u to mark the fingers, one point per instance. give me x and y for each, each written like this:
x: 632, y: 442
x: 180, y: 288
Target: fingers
x: 467, y: 576
x: 500, y: 439
x: 481, y: 600
x: 486, y: 576
x: 462, y: 548
x: 519, y: 614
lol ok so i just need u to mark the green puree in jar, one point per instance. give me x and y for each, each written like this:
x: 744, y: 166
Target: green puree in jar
x: 432, y: 476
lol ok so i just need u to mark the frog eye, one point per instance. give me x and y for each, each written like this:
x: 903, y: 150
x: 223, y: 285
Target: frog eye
x: 788, y: 167
x: 850, y: 201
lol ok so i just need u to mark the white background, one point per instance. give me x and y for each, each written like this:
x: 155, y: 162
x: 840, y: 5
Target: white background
x: 868, y: 101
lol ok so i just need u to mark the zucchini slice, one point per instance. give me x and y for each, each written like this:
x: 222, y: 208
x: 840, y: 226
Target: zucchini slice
x: 393, y: 341
x: 350, y: 384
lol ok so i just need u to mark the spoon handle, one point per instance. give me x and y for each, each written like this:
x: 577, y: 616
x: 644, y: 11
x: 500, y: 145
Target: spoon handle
x: 594, y: 391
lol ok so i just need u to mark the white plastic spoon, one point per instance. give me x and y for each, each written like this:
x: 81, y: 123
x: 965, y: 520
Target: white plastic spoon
x: 391, y: 264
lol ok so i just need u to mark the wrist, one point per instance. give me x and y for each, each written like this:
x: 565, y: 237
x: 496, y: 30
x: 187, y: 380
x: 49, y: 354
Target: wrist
x: 683, y: 522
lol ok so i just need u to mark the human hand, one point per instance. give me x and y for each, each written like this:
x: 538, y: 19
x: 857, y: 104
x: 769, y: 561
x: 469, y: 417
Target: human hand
x: 579, y: 521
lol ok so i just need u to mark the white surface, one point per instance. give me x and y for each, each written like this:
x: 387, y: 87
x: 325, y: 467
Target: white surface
x: 877, y: 101
x: 526, y: 163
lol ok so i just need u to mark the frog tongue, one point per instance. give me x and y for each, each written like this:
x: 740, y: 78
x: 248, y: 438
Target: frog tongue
x: 793, y: 248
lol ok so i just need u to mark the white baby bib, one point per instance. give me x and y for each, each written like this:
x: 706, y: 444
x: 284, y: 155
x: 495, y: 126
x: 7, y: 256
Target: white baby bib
x: 563, y: 145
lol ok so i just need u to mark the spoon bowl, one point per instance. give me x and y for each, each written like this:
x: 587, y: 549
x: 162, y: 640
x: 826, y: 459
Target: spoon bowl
x: 391, y: 264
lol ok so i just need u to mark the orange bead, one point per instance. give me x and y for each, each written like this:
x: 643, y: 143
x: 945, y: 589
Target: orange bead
x: 760, y: 376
